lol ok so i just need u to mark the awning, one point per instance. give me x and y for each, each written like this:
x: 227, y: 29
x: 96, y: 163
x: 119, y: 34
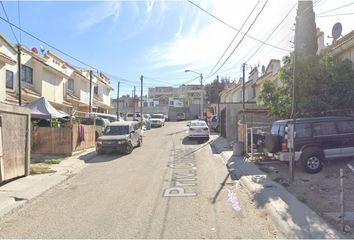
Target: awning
x: 42, y: 109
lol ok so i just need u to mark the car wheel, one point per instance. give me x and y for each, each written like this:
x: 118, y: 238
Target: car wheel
x: 128, y: 148
x: 312, y: 161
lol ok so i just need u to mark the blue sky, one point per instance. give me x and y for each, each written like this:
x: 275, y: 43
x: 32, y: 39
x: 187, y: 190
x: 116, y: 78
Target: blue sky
x: 160, y: 39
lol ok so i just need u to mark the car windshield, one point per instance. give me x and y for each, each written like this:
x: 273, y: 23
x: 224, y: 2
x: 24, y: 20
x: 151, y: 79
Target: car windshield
x: 116, y: 130
x: 156, y: 116
x: 198, y: 124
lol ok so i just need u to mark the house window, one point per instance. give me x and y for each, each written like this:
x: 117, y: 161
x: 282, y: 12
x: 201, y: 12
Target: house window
x: 151, y: 104
x: 95, y: 90
x: 9, y: 79
x: 26, y: 74
x: 71, y: 84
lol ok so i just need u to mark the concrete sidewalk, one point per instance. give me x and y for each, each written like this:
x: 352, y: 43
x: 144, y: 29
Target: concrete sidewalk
x: 292, y: 217
x: 18, y: 192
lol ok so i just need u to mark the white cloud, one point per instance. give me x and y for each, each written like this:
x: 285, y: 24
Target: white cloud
x: 98, y: 14
x: 204, y: 39
x: 180, y: 28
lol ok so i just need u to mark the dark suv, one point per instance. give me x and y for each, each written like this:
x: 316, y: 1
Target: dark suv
x: 316, y: 139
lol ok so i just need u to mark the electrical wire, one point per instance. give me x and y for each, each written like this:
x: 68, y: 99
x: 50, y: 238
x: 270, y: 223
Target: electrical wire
x: 232, y: 41
x: 270, y: 35
x: 331, y: 10
x: 238, y: 30
x: 335, y: 15
x: 12, y: 30
x: 48, y: 44
x: 238, y: 44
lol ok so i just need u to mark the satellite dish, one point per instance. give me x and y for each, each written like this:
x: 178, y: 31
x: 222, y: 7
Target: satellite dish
x: 337, y: 30
x: 34, y: 50
x: 263, y: 69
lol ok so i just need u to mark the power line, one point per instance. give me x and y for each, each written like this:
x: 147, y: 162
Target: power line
x: 238, y: 44
x: 48, y: 44
x: 62, y: 52
x: 270, y: 35
x: 232, y: 27
x: 12, y: 30
x: 331, y: 10
x: 232, y: 41
x: 335, y: 15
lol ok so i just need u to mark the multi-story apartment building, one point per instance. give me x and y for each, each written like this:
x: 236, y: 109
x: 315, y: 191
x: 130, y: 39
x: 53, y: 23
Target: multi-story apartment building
x: 47, y: 75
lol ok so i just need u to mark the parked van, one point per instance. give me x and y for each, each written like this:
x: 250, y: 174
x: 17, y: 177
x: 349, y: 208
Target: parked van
x: 316, y: 139
x: 121, y: 137
x: 180, y: 116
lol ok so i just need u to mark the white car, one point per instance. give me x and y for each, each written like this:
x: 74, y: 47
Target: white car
x: 198, y: 130
x: 157, y: 120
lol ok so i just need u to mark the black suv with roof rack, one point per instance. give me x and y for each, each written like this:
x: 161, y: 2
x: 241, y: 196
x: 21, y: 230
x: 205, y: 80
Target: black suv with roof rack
x: 316, y: 139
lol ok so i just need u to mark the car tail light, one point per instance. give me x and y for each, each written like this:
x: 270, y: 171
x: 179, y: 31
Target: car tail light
x: 284, y: 147
x: 205, y: 129
x: 191, y: 129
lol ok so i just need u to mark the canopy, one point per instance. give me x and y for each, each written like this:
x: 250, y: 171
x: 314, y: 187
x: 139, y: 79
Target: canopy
x: 42, y: 109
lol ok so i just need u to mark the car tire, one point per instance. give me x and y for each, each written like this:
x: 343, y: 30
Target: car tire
x: 129, y: 148
x: 312, y: 160
x: 272, y: 143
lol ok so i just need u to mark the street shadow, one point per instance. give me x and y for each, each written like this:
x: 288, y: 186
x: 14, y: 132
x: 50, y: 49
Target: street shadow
x: 301, y: 221
x: 187, y: 141
x: 93, y: 157
x: 222, y: 185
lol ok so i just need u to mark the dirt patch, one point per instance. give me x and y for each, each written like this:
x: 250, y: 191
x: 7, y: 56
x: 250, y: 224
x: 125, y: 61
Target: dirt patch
x: 320, y: 191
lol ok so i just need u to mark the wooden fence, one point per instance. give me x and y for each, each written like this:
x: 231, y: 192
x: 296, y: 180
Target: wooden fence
x: 14, y: 141
x: 62, y: 141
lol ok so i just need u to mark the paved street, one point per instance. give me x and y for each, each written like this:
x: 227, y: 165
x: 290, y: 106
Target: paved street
x: 168, y: 188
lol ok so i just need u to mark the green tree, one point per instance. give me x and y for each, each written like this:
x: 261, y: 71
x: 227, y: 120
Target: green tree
x: 305, y: 30
x: 187, y: 100
x: 213, y: 89
x: 324, y: 86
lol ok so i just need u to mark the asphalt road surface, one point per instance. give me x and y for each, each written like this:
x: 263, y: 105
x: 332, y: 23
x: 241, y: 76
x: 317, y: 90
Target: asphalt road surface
x: 170, y: 187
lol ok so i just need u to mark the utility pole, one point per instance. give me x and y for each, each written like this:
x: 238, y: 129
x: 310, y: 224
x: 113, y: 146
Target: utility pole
x: 293, y: 128
x: 134, y: 101
x: 90, y: 101
x: 141, y: 101
x: 201, y: 96
x: 118, y: 115
x: 244, y: 107
x: 19, y: 74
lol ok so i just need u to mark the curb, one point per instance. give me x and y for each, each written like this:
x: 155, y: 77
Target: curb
x: 292, y: 217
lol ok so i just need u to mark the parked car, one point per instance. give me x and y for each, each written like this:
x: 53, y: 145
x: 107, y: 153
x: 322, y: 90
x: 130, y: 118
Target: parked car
x: 198, y: 130
x: 147, y: 116
x: 214, y: 123
x: 157, y: 120
x: 316, y: 139
x: 120, y: 136
x: 180, y: 116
